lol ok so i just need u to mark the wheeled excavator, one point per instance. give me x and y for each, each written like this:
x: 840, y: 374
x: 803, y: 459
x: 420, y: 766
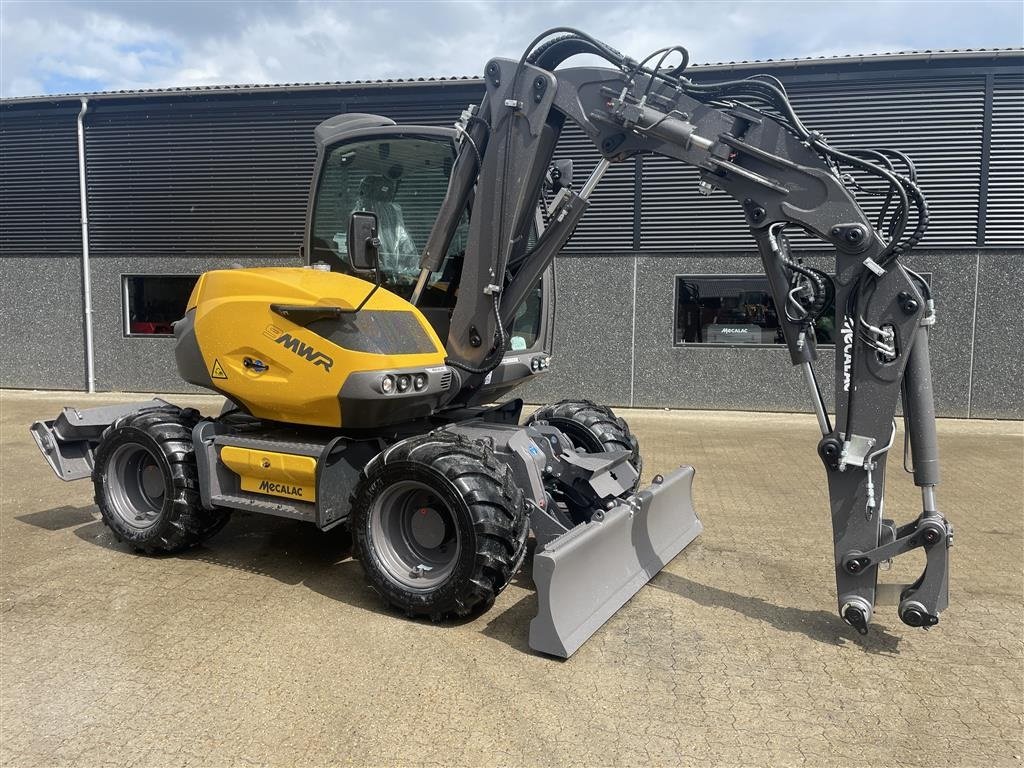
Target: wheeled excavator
x: 370, y: 389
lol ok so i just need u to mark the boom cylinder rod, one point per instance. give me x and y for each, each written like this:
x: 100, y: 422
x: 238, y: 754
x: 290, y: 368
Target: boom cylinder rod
x: 819, y: 405
x: 421, y: 283
x: 594, y: 178
x: 673, y: 129
x: 919, y: 407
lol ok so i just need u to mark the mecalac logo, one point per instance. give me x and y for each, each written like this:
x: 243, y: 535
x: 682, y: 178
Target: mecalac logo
x: 847, y: 332
x: 299, y: 347
x: 291, y: 490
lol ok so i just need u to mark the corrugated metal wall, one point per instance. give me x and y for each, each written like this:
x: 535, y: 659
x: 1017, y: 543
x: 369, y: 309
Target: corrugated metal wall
x: 1004, y: 215
x: 213, y: 177
x: 39, y: 193
x: 937, y: 121
x: 228, y: 174
x: 180, y: 183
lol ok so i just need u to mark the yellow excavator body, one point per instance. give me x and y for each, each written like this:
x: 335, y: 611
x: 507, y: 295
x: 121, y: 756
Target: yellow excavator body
x: 283, y: 343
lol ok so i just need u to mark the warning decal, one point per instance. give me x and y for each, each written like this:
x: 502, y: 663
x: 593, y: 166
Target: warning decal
x: 217, y: 371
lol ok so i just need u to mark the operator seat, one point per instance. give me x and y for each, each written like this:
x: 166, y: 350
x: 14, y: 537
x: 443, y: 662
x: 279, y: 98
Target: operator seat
x: 399, y: 257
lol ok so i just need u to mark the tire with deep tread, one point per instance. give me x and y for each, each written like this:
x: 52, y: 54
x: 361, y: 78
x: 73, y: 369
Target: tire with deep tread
x: 182, y: 521
x: 487, y: 508
x: 592, y: 427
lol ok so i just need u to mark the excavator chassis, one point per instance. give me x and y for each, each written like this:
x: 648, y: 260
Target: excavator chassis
x: 586, y: 565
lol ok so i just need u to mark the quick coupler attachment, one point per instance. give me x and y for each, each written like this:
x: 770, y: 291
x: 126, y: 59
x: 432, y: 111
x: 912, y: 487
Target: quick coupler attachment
x: 585, y: 575
x: 920, y: 603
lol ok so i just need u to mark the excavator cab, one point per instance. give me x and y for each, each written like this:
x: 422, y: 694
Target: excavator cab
x: 400, y: 173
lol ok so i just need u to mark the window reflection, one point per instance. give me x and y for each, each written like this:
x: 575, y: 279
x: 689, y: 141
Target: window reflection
x: 734, y: 309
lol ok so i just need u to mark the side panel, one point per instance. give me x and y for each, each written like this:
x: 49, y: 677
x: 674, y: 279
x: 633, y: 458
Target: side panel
x: 323, y: 469
x: 272, y: 473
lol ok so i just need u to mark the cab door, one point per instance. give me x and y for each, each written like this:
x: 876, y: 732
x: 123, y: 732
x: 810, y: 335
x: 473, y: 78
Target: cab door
x: 368, y: 163
x: 400, y: 173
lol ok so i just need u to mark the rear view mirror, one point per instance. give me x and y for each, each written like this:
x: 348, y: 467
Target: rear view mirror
x: 363, y: 243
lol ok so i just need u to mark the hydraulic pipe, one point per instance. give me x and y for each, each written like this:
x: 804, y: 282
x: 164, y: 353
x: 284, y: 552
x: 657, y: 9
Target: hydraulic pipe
x: 801, y: 346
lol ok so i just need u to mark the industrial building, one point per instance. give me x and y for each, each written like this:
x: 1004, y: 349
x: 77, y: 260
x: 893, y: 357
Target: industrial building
x: 119, y: 200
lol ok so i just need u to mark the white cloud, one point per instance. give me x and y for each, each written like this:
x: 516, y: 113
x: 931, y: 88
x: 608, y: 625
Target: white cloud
x: 54, y: 46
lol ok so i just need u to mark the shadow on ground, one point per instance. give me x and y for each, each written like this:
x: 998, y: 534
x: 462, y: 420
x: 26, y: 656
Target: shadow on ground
x: 287, y: 551
x: 297, y: 553
x: 59, y: 518
x: 820, y: 626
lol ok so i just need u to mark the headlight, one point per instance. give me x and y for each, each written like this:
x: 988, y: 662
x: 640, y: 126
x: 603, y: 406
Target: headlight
x: 404, y: 382
x: 419, y: 382
x: 387, y: 384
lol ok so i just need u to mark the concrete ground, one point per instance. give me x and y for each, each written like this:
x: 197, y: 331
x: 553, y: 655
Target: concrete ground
x: 264, y: 646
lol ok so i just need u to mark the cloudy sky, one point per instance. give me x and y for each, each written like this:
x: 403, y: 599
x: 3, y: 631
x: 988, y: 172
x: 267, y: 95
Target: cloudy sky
x: 60, y: 47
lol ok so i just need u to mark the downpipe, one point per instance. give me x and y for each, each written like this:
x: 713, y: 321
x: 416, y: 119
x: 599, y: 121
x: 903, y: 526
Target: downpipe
x: 90, y: 362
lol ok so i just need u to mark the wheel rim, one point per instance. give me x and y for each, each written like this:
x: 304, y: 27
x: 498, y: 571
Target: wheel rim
x: 415, y: 535
x: 135, y: 485
x: 580, y: 437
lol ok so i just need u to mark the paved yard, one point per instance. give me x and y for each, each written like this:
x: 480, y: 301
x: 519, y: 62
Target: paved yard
x: 265, y: 647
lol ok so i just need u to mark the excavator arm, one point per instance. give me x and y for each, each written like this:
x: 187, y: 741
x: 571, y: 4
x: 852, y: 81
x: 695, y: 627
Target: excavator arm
x: 746, y: 140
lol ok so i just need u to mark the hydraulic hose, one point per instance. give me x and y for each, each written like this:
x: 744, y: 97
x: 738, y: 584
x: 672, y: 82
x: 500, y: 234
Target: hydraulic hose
x: 498, y: 353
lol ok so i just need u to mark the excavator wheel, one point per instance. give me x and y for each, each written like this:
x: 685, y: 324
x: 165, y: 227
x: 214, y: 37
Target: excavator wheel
x: 592, y: 427
x: 439, y: 525
x: 146, y: 482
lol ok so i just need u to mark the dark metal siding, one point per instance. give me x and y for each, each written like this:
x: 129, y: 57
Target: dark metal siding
x: 221, y: 175
x: 608, y: 223
x: 1005, y: 210
x: 938, y: 122
x: 214, y: 178
x: 39, y: 195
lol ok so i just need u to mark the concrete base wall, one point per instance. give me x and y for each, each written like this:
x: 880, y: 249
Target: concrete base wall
x: 137, y: 363
x: 607, y: 351
x: 41, y: 323
x: 613, y: 341
x: 997, y: 372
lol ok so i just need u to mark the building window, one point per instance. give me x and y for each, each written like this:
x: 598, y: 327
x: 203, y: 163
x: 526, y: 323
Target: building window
x: 735, y: 310
x: 152, y: 303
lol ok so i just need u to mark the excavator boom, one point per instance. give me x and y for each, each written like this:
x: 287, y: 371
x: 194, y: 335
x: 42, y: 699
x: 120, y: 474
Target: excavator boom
x: 746, y: 141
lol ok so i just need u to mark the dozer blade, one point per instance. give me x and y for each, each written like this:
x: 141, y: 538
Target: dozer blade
x: 585, y: 575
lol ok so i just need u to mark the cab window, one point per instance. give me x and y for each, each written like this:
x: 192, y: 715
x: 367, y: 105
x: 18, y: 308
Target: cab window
x: 403, y: 180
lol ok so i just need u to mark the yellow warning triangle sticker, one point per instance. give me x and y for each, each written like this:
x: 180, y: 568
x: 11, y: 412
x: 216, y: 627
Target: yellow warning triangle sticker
x: 217, y: 371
